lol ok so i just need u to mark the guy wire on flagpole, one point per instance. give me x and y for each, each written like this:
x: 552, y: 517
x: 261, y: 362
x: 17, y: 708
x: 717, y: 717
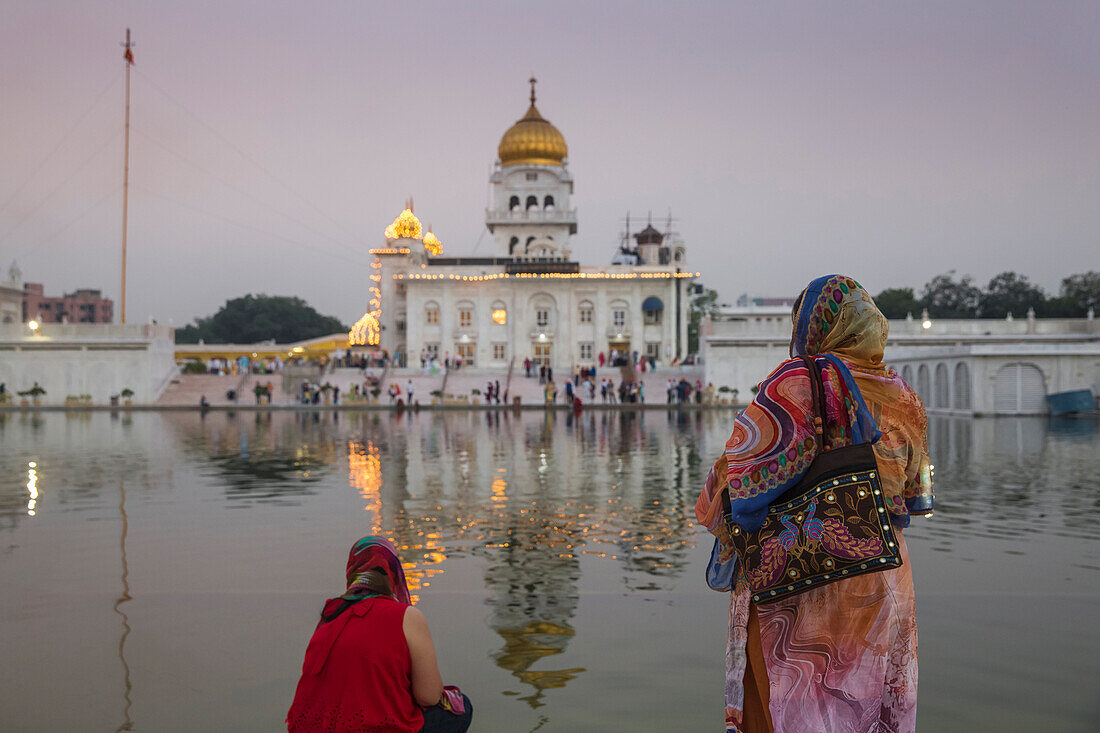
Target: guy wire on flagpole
x: 128, y: 57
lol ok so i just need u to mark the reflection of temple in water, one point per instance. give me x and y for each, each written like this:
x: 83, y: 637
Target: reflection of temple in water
x: 533, y: 597
x: 531, y: 493
x: 263, y: 456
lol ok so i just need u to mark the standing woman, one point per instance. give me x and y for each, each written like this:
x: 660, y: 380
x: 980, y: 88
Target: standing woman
x: 371, y: 665
x: 842, y: 656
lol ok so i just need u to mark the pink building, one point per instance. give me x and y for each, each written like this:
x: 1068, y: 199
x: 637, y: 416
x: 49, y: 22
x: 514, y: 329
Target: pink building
x: 80, y: 306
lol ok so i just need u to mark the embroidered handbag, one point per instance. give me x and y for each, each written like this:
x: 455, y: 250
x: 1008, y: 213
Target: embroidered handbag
x: 833, y: 524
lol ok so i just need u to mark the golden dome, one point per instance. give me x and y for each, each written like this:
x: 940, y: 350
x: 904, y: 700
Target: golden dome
x: 365, y: 332
x: 432, y: 244
x: 532, y: 140
x: 406, y: 225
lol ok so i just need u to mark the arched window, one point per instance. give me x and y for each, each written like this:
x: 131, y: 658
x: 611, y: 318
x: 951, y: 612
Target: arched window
x: 619, y: 309
x: 907, y: 374
x: 544, y: 309
x: 513, y: 203
x: 512, y: 245
x: 585, y: 312
x: 943, y: 388
x: 532, y: 203
x: 962, y: 386
x: 652, y: 309
x: 548, y: 202
x: 431, y: 314
x: 527, y: 246
x: 465, y: 314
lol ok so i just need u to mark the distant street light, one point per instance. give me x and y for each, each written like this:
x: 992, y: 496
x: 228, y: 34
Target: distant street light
x: 33, y: 325
x: 927, y: 324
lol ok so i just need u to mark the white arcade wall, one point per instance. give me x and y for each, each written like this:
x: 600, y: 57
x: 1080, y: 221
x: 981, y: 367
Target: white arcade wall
x: 87, y: 359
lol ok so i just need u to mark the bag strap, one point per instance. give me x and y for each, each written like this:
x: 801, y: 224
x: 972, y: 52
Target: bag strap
x: 817, y: 399
x: 820, y: 420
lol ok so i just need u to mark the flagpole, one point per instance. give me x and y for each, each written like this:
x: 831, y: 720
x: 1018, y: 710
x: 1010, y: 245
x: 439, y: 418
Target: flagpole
x: 128, y: 56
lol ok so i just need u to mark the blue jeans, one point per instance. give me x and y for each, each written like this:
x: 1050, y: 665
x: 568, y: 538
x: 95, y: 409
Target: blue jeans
x: 438, y: 720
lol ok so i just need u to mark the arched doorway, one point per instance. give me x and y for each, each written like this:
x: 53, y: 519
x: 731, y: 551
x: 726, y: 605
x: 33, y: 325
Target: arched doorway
x: 923, y: 383
x: 962, y: 386
x: 1019, y: 388
x: 943, y: 387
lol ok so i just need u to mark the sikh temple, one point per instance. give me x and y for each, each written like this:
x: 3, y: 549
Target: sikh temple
x: 530, y: 297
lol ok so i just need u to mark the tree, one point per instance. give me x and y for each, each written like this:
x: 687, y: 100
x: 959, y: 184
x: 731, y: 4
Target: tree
x: 1082, y: 292
x: 707, y: 304
x: 254, y: 318
x: 1010, y: 293
x: 946, y: 298
x: 897, y: 302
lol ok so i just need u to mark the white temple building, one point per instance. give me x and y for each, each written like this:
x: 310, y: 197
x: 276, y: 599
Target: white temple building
x: 529, y: 297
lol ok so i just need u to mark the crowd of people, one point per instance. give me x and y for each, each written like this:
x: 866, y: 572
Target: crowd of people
x: 311, y: 393
x: 685, y: 392
x: 360, y: 360
x: 242, y: 365
x: 430, y: 363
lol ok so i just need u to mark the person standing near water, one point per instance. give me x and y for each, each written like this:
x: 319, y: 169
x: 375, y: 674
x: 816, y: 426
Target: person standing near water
x: 842, y: 656
x: 371, y: 663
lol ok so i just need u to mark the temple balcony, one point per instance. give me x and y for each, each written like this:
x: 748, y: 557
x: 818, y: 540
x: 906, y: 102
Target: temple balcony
x: 493, y: 217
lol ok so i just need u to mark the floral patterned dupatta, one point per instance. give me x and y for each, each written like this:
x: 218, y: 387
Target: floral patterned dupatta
x: 772, y: 442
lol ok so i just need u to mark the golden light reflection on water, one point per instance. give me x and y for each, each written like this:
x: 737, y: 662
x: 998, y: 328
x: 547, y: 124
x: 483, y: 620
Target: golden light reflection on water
x: 533, y: 500
x: 32, y: 488
x: 365, y: 475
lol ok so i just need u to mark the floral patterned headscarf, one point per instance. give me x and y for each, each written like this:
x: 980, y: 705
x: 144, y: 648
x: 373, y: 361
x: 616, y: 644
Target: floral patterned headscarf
x: 377, y: 554
x: 837, y: 316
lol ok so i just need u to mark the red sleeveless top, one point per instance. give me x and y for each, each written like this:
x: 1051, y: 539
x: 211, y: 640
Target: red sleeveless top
x: 357, y: 674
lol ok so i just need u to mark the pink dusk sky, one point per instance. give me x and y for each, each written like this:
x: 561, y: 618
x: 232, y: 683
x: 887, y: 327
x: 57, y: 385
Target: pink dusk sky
x: 272, y: 142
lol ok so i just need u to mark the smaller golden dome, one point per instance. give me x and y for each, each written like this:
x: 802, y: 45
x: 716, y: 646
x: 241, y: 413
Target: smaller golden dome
x: 532, y: 140
x: 406, y: 225
x: 432, y: 244
x: 365, y: 332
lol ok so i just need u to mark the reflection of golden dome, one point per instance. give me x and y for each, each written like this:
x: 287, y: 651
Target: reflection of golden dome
x: 406, y: 225
x: 532, y: 140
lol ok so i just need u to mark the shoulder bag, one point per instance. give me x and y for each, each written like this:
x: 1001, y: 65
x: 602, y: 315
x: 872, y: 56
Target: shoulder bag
x: 833, y: 524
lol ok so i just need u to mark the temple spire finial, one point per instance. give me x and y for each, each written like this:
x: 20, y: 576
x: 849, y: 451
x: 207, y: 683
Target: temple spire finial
x: 532, y: 81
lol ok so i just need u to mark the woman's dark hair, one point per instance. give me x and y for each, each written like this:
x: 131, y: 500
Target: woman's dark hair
x: 794, y: 317
x: 377, y: 581
x: 372, y: 581
x: 797, y: 304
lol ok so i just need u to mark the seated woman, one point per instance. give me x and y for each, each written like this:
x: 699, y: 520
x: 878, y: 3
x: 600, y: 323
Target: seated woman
x: 371, y: 664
